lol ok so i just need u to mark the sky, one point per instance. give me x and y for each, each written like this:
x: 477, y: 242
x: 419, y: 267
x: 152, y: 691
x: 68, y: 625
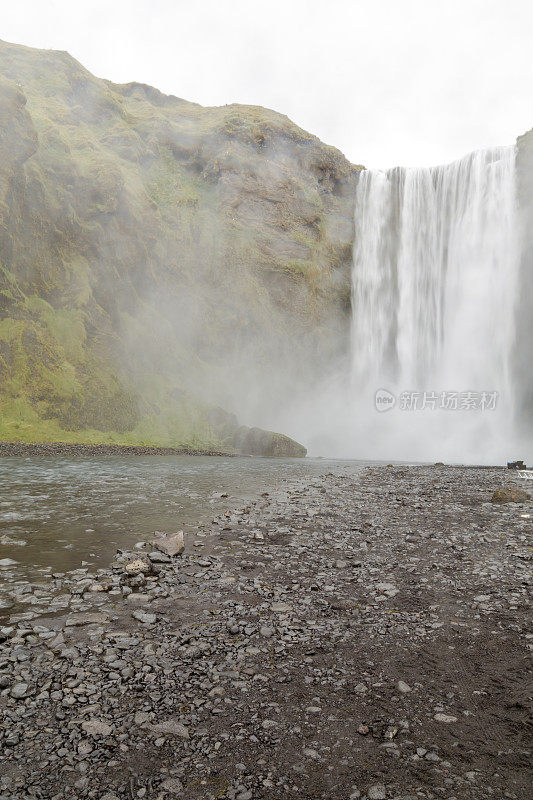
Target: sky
x: 388, y: 82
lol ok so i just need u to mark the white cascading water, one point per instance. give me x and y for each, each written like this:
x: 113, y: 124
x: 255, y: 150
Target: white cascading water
x: 434, y: 285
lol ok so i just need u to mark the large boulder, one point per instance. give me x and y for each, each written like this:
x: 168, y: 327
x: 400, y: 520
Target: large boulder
x: 507, y: 494
x: 258, y: 442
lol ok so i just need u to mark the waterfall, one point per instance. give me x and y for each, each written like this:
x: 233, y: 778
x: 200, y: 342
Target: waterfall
x: 434, y: 297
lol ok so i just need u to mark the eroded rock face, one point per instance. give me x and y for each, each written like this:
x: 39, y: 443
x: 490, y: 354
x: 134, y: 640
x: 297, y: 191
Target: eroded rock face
x: 157, y: 257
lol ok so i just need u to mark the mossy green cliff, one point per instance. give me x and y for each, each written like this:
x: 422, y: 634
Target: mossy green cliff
x: 158, y: 258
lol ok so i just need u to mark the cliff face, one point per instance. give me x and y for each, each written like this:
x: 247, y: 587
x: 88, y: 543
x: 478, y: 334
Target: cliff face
x: 158, y: 258
x: 524, y: 340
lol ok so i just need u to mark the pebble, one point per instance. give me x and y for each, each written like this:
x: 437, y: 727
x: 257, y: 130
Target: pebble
x: 144, y: 616
x: 172, y: 785
x: 96, y: 728
x: 281, y: 608
x: 445, y: 718
x: 403, y: 687
x: 171, y: 727
x: 377, y: 792
x: 19, y: 690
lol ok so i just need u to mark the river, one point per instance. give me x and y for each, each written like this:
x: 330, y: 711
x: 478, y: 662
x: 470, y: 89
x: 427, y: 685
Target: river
x: 60, y: 513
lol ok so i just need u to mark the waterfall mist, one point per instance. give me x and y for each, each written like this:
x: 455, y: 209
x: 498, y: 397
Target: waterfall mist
x: 435, y: 281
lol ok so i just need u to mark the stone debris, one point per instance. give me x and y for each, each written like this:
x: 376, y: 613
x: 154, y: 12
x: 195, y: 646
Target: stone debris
x: 317, y: 643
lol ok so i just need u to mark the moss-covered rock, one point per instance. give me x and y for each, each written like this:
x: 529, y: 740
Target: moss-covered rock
x: 257, y: 442
x: 158, y: 258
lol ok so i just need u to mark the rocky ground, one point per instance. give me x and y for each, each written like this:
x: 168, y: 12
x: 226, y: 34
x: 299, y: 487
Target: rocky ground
x: 361, y: 635
x: 75, y: 449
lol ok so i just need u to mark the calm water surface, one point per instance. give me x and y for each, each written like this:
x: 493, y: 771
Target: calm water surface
x: 57, y: 512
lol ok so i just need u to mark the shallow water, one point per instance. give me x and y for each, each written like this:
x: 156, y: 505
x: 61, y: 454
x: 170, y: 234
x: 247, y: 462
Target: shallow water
x: 57, y: 512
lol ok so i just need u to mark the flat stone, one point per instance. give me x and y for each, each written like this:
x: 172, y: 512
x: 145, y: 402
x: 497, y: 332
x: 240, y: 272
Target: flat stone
x: 171, y: 727
x: 96, y: 728
x: 143, y: 616
x: 445, y: 718
x: 172, y: 785
x: 87, y: 618
x: 138, y: 597
x: 156, y: 557
x: 172, y: 545
x: 281, y: 608
x: 85, y: 747
x: 19, y: 690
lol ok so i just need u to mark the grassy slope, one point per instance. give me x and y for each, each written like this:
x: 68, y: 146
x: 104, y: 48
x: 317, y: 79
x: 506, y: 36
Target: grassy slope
x: 149, y: 247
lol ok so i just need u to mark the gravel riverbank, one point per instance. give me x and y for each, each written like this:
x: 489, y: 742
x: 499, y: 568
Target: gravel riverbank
x: 74, y: 449
x: 356, y: 635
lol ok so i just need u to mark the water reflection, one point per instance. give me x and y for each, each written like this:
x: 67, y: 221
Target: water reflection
x: 57, y: 512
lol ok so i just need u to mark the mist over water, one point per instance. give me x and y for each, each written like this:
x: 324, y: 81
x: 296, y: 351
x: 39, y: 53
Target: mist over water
x: 435, y: 314
x: 434, y: 297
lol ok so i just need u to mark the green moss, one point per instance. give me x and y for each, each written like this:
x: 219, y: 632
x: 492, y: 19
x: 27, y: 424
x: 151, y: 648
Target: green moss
x: 170, y: 183
x: 140, y: 235
x: 65, y: 326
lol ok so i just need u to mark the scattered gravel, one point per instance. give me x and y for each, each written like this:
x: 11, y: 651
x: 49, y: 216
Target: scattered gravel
x: 359, y: 635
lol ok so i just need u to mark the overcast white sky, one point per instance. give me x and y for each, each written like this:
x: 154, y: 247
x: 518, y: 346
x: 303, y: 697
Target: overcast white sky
x: 410, y: 82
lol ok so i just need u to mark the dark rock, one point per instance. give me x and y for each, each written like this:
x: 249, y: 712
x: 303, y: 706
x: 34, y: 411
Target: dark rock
x: 258, y: 442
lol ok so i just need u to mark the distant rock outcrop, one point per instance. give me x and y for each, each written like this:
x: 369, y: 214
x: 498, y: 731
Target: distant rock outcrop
x: 257, y: 442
